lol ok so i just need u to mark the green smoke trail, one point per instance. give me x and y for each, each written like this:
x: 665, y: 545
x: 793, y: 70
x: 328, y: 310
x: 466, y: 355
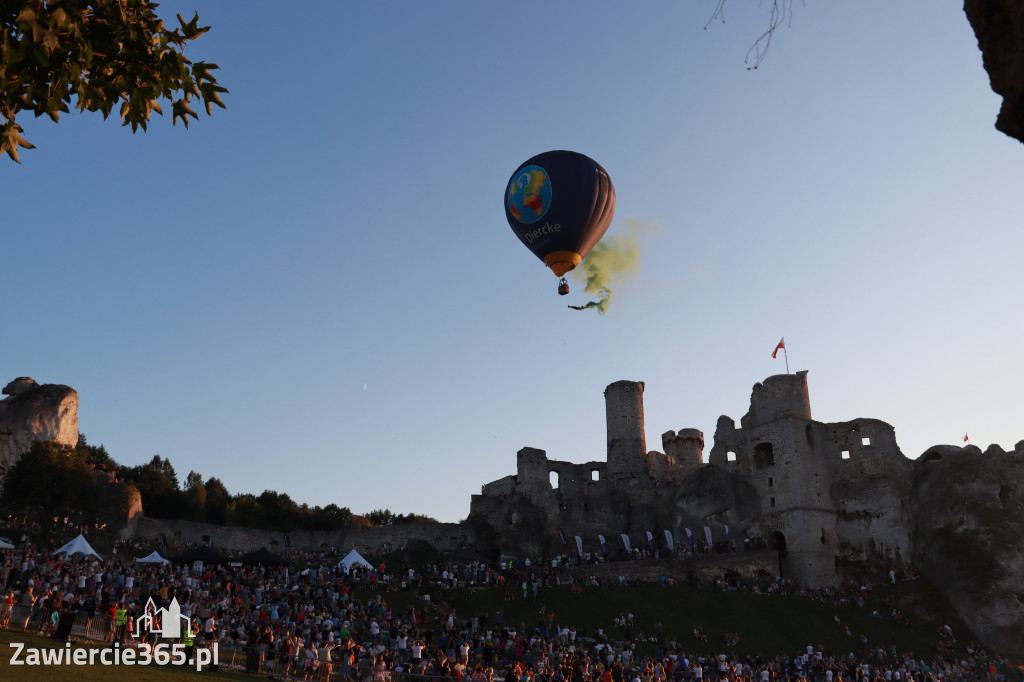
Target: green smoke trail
x: 613, y: 261
x: 601, y: 305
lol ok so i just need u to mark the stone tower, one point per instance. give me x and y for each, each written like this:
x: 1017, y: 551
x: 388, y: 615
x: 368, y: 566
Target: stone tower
x: 789, y: 466
x: 686, y: 447
x: 624, y: 415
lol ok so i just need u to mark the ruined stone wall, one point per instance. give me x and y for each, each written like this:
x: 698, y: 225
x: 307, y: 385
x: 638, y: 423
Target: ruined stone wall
x: 532, y: 473
x: 779, y: 396
x: 865, y: 447
x: 871, y: 488
x: 686, y: 447
x: 729, y: 442
x: 503, y: 486
x: 369, y: 541
x: 706, y: 567
x: 810, y: 546
x: 576, y: 480
x: 234, y: 538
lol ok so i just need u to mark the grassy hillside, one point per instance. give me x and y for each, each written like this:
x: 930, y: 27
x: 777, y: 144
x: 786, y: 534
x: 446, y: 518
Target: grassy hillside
x: 766, y: 624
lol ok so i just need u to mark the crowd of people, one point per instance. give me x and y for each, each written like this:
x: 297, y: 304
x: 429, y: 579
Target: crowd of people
x: 309, y: 624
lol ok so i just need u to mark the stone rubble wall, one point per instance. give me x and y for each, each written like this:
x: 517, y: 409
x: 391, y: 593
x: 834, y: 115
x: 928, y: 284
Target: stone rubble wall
x: 370, y: 541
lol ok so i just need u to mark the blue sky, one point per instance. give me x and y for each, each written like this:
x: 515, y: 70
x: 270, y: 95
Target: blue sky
x: 315, y: 291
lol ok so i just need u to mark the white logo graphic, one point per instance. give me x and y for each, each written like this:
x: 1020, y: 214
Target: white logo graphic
x: 165, y: 622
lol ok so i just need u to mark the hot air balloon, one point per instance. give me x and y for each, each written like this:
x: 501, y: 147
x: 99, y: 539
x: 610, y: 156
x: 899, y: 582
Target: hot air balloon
x: 560, y: 204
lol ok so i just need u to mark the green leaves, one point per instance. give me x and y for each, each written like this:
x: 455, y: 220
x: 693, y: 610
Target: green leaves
x: 99, y: 54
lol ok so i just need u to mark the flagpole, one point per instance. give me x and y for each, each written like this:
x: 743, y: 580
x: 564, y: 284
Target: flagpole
x: 785, y: 355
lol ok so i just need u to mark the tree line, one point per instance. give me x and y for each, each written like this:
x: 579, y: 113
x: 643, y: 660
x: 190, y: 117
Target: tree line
x: 53, y: 480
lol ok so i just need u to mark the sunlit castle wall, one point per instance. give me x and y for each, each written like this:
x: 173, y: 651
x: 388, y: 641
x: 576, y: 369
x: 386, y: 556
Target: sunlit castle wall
x: 624, y: 416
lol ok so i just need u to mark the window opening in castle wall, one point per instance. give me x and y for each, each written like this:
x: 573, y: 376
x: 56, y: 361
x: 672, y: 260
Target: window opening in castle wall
x: 764, y: 456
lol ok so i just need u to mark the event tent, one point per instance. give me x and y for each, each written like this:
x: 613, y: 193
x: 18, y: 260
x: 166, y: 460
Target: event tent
x: 208, y: 555
x: 353, y: 558
x: 78, y: 546
x: 153, y: 558
x: 6, y: 545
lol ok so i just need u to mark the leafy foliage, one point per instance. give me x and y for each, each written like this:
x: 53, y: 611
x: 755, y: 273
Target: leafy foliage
x: 385, y: 517
x: 53, y: 480
x: 101, y: 53
x: 157, y: 482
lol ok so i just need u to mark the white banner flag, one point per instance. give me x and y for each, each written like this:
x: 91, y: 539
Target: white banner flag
x: 579, y: 545
x: 625, y: 541
x: 668, y: 540
x: 707, y: 536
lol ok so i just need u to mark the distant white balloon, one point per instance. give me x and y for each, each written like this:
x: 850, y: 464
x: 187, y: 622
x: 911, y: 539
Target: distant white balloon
x: 364, y: 387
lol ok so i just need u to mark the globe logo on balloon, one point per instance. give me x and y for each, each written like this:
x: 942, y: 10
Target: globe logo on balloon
x: 529, y: 194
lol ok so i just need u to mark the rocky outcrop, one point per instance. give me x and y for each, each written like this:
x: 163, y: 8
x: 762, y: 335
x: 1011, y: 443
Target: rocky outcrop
x: 969, y: 536
x: 32, y: 412
x: 999, y: 26
x: 713, y: 497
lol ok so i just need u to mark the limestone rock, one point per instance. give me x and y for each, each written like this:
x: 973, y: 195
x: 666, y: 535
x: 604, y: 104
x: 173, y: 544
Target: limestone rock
x: 999, y: 26
x: 969, y: 537
x: 714, y: 497
x: 33, y: 412
x: 20, y: 385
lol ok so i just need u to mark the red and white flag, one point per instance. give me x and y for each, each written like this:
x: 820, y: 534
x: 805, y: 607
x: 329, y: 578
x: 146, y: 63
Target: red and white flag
x: 782, y: 344
x: 965, y: 437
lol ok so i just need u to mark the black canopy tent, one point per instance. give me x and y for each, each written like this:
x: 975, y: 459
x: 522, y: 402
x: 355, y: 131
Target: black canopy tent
x: 263, y: 557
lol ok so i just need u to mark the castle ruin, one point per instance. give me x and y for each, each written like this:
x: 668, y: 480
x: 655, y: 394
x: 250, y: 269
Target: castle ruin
x: 827, y: 496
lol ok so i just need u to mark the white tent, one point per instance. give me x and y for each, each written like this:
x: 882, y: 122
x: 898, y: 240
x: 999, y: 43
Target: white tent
x: 153, y: 558
x: 78, y: 546
x: 353, y: 558
x: 6, y: 545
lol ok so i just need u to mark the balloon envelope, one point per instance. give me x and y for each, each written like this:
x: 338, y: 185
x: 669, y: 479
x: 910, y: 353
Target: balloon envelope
x: 560, y: 204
